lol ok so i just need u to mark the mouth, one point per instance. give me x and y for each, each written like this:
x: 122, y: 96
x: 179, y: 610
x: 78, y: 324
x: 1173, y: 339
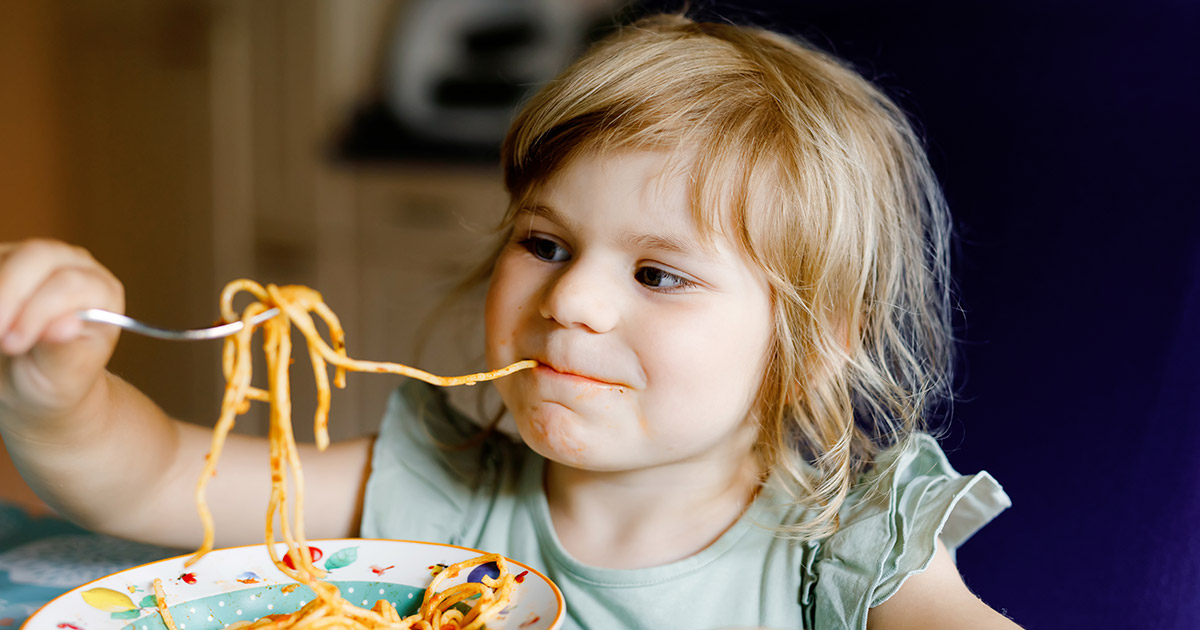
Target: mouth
x: 564, y: 374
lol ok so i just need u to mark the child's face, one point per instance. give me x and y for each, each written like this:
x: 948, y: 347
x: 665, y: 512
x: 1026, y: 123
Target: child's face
x: 652, y: 345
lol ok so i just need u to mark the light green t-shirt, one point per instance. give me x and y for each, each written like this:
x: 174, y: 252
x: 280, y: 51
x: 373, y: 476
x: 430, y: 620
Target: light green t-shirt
x: 490, y: 497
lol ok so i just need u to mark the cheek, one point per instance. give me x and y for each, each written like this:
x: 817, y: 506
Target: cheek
x: 498, y: 334
x: 494, y: 320
x: 501, y: 306
x: 708, y: 372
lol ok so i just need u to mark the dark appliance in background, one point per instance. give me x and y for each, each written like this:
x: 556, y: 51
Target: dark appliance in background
x: 454, y: 71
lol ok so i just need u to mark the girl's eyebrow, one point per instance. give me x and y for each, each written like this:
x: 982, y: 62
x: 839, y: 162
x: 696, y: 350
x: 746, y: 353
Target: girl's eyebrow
x: 546, y: 212
x: 630, y: 239
x: 661, y: 243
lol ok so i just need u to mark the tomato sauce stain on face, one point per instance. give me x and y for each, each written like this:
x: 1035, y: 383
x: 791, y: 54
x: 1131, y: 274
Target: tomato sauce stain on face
x: 644, y: 424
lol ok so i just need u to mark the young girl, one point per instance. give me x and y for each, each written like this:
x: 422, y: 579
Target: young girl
x: 727, y: 252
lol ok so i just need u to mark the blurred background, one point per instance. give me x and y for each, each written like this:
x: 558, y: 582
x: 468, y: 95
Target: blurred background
x: 350, y: 146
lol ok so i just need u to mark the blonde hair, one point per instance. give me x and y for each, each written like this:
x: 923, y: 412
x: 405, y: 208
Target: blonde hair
x: 819, y: 179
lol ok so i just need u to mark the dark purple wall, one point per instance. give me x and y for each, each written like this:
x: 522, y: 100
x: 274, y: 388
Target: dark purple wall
x: 1066, y: 138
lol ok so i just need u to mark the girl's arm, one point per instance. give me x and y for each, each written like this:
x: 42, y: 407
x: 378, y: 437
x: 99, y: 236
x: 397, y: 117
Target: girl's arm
x: 14, y: 490
x: 134, y: 476
x: 99, y: 451
x: 131, y: 471
x: 936, y: 599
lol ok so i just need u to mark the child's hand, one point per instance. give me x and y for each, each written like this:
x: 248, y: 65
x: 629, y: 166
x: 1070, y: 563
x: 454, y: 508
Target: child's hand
x: 49, y: 360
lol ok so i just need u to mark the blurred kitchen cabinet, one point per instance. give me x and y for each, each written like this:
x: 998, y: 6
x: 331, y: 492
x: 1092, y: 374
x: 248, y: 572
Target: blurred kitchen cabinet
x: 197, y: 140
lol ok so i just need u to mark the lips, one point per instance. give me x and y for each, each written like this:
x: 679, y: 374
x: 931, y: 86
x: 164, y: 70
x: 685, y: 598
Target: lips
x: 562, y: 371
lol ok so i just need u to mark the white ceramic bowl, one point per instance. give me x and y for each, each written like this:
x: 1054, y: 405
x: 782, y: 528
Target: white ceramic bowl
x: 229, y: 585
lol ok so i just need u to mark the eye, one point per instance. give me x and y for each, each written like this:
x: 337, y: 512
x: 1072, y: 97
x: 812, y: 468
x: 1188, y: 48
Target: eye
x: 546, y: 249
x: 661, y: 280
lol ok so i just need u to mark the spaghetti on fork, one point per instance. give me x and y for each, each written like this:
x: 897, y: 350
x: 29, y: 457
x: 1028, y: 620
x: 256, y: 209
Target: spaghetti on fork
x: 298, y: 306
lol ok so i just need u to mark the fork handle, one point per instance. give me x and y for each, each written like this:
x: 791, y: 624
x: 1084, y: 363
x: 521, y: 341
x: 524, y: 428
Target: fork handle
x: 102, y: 316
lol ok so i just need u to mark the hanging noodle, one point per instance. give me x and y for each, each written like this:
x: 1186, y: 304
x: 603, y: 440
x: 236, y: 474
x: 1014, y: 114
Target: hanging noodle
x: 297, y: 304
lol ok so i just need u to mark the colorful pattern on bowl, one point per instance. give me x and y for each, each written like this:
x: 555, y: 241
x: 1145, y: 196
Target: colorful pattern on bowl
x: 229, y: 585
x: 218, y: 611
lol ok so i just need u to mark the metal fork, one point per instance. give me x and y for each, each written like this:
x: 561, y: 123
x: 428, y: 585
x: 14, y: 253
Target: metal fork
x: 102, y: 316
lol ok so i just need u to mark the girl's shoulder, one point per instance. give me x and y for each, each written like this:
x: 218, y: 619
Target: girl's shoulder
x: 890, y: 525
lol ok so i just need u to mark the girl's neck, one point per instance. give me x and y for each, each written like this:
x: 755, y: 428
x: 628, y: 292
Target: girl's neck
x: 647, y: 517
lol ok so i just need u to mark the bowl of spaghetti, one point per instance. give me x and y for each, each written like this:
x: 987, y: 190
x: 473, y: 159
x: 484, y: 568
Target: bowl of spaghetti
x: 373, y: 584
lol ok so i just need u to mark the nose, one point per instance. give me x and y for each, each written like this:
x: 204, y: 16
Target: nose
x: 582, y: 296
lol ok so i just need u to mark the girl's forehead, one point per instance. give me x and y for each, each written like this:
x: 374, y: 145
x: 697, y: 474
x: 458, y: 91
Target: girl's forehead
x: 643, y: 167
x: 627, y: 190
x: 661, y: 185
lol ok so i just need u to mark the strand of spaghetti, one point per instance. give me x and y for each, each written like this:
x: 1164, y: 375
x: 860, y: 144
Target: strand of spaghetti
x: 278, y: 505
x: 281, y: 422
x: 499, y: 601
x: 293, y: 312
x: 388, y: 611
x: 490, y: 604
x: 333, y: 622
x: 431, y: 604
x: 453, y: 571
x: 277, y: 400
x: 232, y: 289
x: 445, y: 600
x: 336, y: 334
x: 321, y: 418
x: 284, y: 459
x: 310, y: 301
x: 448, y: 617
x: 229, y: 315
x: 338, y: 337
x: 160, y: 602
x: 239, y: 381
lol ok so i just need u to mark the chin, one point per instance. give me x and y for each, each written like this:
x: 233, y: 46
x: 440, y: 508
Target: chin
x: 547, y: 432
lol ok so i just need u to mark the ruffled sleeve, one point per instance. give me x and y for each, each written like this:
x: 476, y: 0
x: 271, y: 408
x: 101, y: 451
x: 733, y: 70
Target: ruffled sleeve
x: 427, y: 470
x: 890, y: 527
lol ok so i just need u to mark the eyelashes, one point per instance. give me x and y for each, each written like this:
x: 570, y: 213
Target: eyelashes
x: 652, y: 277
x: 661, y: 279
x: 546, y: 250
